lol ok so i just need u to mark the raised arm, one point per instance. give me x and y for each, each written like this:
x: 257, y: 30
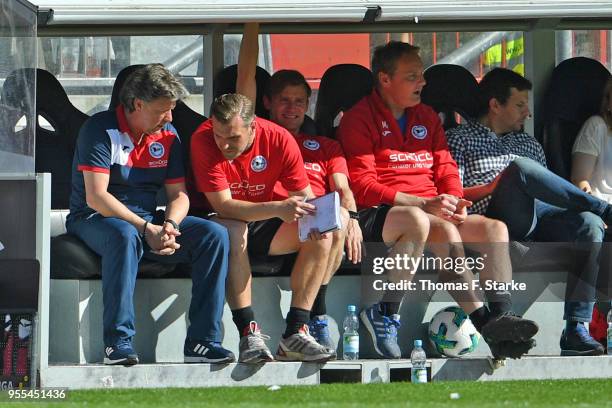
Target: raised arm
x: 247, y: 62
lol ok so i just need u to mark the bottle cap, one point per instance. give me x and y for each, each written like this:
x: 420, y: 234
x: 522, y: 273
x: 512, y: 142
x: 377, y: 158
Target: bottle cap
x: 352, y: 308
x: 418, y: 343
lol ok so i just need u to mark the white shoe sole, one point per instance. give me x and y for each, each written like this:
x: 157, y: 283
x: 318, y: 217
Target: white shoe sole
x: 257, y: 359
x: 295, y: 356
x: 123, y: 361
x: 191, y: 360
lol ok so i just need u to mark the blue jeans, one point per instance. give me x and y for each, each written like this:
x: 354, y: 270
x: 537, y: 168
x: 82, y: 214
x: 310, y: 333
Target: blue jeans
x: 204, y: 245
x: 528, y: 192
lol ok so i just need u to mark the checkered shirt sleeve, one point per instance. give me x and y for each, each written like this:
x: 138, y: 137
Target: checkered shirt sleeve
x: 481, y: 155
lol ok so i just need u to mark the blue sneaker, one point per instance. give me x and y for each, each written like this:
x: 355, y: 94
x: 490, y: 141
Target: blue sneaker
x: 383, y: 331
x: 120, y: 354
x: 578, y: 342
x: 319, y: 329
x: 206, y: 352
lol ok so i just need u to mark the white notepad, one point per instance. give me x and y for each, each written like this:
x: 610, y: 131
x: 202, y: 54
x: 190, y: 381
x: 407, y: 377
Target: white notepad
x: 326, y: 219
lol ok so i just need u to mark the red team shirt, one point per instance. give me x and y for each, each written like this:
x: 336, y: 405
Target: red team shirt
x: 322, y: 158
x: 383, y: 161
x: 274, y: 156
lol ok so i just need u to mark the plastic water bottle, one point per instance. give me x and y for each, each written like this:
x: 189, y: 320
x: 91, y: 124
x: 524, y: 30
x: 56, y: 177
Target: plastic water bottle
x: 350, y: 338
x: 418, y: 360
x: 609, y: 334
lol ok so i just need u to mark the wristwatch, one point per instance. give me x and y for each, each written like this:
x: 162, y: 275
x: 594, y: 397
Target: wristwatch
x: 354, y: 215
x: 172, y: 222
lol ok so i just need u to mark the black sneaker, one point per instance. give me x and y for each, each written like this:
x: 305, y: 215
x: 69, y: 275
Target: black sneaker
x: 120, y: 354
x: 578, y: 342
x: 206, y: 352
x: 511, y: 349
x: 508, y: 327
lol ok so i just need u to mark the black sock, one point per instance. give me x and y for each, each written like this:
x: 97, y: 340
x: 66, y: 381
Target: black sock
x: 500, y: 302
x: 296, y: 318
x: 242, y: 318
x: 318, y: 307
x: 388, y: 308
x: 480, y: 317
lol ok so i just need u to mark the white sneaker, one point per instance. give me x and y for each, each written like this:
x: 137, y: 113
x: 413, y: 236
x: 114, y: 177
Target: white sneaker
x: 252, y: 348
x: 301, y: 346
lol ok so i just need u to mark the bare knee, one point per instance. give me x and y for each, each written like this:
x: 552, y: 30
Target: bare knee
x: 320, y: 247
x: 237, y: 231
x: 495, y: 230
x: 447, y: 232
x: 406, y: 224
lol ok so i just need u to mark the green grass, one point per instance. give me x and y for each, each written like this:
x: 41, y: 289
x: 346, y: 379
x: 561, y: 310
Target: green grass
x: 553, y: 394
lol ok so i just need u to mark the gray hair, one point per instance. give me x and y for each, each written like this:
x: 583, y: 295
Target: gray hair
x: 226, y: 106
x: 150, y: 82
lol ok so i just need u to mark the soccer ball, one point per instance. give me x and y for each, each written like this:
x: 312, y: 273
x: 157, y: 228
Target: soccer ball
x: 452, y: 333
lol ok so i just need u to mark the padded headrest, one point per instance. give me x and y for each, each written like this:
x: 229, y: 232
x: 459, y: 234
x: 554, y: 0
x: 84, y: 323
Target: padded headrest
x: 574, y: 93
x: 225, y: 82
x: 341, y: 87
x: 119, y: 81
x: 575, y: 89
x: 186, y: 121
x: 51, y: 100
x: 451, y: 88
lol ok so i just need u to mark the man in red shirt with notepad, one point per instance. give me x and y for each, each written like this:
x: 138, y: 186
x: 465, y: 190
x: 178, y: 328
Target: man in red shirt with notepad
x: 287, y: 99
x: 237, y: 160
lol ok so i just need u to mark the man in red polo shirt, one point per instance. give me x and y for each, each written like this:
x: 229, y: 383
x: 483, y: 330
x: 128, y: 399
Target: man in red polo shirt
x: 287, y: 99
x: 398, y: 157
x: 237, y: 160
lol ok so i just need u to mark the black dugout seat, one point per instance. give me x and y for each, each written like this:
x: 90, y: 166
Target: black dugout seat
x: 574, y: 93
x: 341, y: 87
x: 54, y: 148
x: 225, y: 82
x: 451, y: 89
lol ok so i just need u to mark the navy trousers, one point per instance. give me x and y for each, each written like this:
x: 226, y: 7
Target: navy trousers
x: 528, y: 192
x: 204, y: 245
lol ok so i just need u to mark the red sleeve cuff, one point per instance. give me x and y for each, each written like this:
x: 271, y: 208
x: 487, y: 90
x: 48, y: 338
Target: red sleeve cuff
x: 388, y: 196
x: 175, y: 180
x: 93, y: 169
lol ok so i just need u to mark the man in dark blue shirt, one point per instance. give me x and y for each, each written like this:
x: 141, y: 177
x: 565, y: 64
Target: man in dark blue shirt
x: 122, y: 159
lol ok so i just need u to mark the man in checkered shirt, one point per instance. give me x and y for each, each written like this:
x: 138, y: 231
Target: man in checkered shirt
x: 503, y: 170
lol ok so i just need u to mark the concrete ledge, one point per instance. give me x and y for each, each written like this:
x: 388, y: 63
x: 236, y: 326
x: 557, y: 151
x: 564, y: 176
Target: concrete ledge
x: 359, y: 371
x: 527, y: 368
x: 75, y: 330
